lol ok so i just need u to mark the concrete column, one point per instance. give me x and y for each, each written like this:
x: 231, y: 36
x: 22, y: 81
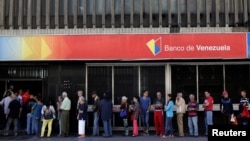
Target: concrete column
x: 20, y: 14
x: 245, y: 11
x: 38, y: 14
x: 11, y: 13
x: 65, y: 13
x: 141, y: 13
x: 84, y: 13
x: 104, y: 13
x: 169, y: 13
x: 75, y: 13
x: 226, y: 12
x: 179, y: 12
x: 29, y: 14
x: 208, y: 11
x: 94, y: 14
x: 217, y: 12
x: 236, y: 12
x: 160, y: 12
x: 198, y: 2
x: 113, y: 13
x: 47, y: 14
x: 150, y: 13
x: 122, y: 13
x: 57, y: 14
x: 2, y: 13
x: 131, y: 13
x: 188, y: 14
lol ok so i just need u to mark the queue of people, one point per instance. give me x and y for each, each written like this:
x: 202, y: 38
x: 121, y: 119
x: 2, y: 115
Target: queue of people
x: 41, y: 115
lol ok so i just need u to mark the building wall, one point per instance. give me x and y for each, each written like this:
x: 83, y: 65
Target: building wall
x: 81, y: 14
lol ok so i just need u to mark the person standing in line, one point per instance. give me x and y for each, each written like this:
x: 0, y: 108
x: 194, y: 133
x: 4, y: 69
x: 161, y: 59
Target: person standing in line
x: 145, y: 102
x: 125, y: 108
x: 82, y: 117
x: 226, y: 107
x: 136, y: 108
x: 159, y: 103
x: 28, y: 106
x: 169, y: 108
x: 244, y: 103
x: 208, y: 109
x: 11, y: 89
x: 96, y: 112
x: 5, y: 103
x: 180, y: 110
x: 36, y: 116
x: 106, y: 108
x: 193, y: 108
x: 80, y: 96
x: 59, y: 103
x: 65, y: 111
x: 48, y: 113
x: 13, y: 113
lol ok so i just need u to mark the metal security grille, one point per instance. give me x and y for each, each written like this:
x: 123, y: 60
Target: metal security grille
x: 23, y: 72
x: 53, y: 14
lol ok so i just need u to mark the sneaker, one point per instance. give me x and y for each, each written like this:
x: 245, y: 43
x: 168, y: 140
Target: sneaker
x: 16, y: 134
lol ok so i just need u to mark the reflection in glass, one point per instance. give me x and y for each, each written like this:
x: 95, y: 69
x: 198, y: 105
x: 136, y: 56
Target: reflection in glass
x: 100, y: 80
x: 237, y: 79
x: 183, y: 80
x: 210, y: 79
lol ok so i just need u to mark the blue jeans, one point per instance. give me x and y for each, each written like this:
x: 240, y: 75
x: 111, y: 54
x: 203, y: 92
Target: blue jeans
x: 169, y: 126
x: 29, y: 129
x: 208, y: 119
x: 145, y: 119
x: 193, y: 126
x: 107, y: 128
x: 36, y: 125
x: 96, y: 125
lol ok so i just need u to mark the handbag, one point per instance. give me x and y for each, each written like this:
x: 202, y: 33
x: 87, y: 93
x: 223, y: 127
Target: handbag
x: 234, y: 120
x: 245, y: 113
x: 123, y: 113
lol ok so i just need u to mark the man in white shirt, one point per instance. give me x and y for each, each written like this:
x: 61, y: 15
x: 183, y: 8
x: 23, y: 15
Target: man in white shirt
x: 65, y: 111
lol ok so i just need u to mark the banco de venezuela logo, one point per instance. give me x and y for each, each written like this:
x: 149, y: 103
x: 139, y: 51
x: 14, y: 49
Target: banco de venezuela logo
x: 154, y: 46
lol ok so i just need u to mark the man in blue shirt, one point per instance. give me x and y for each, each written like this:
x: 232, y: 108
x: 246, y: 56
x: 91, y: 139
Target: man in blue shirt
x: 145, y: 102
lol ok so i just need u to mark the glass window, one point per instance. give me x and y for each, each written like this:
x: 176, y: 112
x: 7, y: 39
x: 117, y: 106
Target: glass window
x: 210, y: 79
x: 100, y: 80
x: 125, y: 82
x: 153, y: 79
x: 237, y: 79
x: 184, y: 80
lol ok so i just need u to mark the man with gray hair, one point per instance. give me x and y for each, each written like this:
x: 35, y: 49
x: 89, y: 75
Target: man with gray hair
x: 192, y: 108
x: 65, y: 111
x: 180, y: 110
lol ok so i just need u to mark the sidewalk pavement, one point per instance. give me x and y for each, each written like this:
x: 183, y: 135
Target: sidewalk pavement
x: 89, y: 138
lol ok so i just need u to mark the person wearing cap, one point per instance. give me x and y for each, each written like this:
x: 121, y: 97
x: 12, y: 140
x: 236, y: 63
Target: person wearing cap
x: 208, y: 109
x: 192, y: 108
x: 159, y: 103
x: 13, y: 113
x: 96, y: 112
x: 125, y: 108
x: 180, y: 110
x: 226, y: 107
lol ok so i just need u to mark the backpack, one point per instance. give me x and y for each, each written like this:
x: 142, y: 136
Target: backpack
x: 48, y: 114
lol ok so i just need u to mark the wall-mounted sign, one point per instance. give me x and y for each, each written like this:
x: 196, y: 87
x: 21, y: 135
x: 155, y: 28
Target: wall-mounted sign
x: 125, y: 47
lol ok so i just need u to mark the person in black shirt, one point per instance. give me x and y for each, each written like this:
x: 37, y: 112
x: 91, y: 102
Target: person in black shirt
x: 159, y: 103
x: 28, y: 106
x: 226, y: 107
x: 14, y: 112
